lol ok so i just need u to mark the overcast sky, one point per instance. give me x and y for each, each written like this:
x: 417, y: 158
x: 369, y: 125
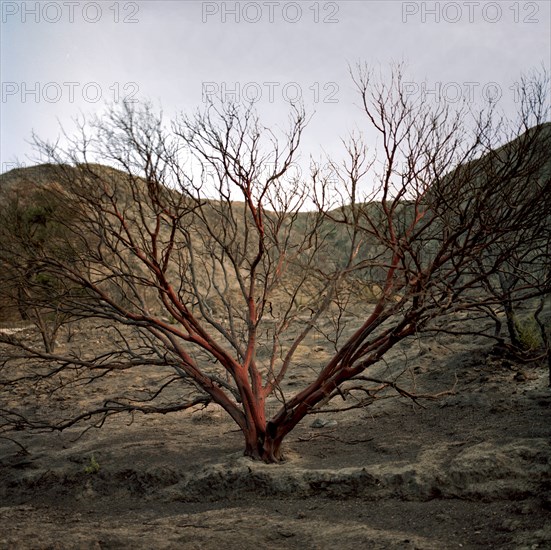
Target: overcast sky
x: 59, y: 59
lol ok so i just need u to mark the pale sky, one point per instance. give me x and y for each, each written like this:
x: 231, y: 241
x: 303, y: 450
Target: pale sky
x: 59, y: 59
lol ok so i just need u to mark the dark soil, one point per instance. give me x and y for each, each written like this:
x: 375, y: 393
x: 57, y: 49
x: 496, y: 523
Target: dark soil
x: 471, y: 469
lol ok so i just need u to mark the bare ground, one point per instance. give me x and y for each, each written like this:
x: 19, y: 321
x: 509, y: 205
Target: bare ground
x: 469, y: 470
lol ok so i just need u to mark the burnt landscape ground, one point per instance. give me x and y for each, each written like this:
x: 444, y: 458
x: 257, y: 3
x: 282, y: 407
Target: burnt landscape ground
x: 470, y: 469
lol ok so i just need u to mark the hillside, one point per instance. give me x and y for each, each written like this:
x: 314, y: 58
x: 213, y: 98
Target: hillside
x: 478, y: 172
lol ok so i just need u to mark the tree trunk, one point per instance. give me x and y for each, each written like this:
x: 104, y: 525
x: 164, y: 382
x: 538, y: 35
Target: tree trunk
x: 511, y: 325
x: 544, y: 337
x: 21, y: 304
x: 263, y: 447
x: 48, y: 333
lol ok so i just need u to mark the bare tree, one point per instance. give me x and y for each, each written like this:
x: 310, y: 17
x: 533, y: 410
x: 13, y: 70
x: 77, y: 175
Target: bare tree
x: 29, y: 231
x: 526, y: 267
x: 199, y: 242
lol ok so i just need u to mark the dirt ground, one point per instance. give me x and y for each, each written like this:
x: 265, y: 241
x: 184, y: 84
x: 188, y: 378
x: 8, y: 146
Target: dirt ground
x: 469, y: 470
